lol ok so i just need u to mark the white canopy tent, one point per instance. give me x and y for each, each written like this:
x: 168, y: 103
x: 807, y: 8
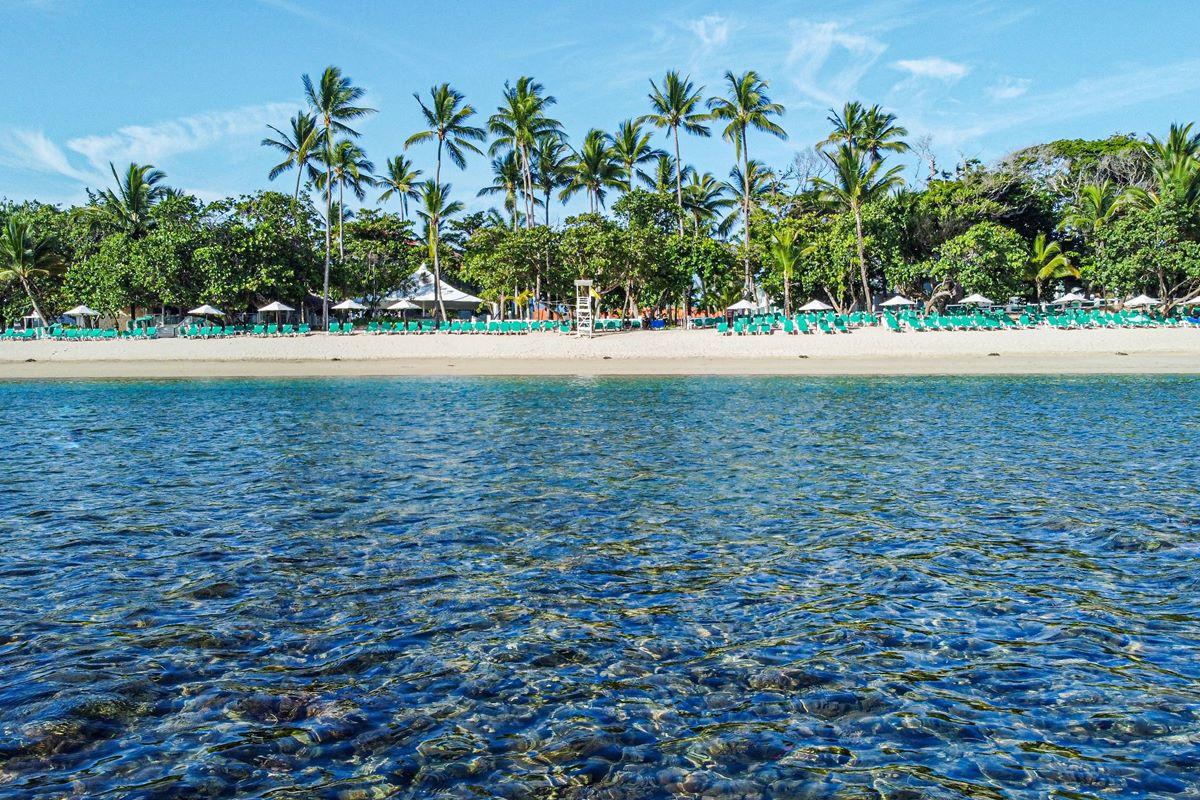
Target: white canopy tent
x: 276, y: 306
x: 816, y: 305
x: 743, y: 305
x: 81, y: 311
x: 403, y: 305
x: 423, y: 296
x: 1141, y: 301
x: 976, y: 300
x: 898, y: 300
x: 1068, y: 298
x: 349, y: 305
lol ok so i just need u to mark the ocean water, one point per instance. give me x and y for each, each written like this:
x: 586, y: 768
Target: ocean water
x: 586, y: 588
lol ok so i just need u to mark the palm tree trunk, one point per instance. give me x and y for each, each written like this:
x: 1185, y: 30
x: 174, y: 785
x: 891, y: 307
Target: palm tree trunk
x: 341, y: 221
x: 437, y: 268
x: 328, y: 230
x: 678, y: 178
x: 862, y: 257
x: 787, y: 294
x: 33, y: 300
x: 749, y: 288
x: 299, y: 175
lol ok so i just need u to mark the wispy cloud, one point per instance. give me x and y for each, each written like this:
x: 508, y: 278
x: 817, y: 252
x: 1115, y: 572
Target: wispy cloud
x: 933, y: 67
x: 1008, y: 88
x: 34, y: 151
x: 153, y: 144
x: 712, y: 30
x: 828, y: 61
x: 336, y: 25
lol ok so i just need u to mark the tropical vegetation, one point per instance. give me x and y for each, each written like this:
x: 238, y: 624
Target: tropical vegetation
x: 848, y: 225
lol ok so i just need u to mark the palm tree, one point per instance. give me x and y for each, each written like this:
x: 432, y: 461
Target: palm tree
x: 870, y: 129
x: 435, y: 207
x: 631, y: 147
x: 595, y: 170
x: 1048, y: 262
x: 446, y: 120
x: 25, y: 257
x: 706, y: 199
x: 334, y: 102
x: 675, y: 106
x: 1175, y: 164
x: 1094, y: 207
x: 746, y: 106
x: 506, y: 181
x: 786, y: 250
x: 552, y: 163
x: 661, y: 179
x: 350, y: 168
x: 856, y: 182
x: 127, y: 207
x: 519, y: 124
x: 400, y: 181
x: 297, y: 146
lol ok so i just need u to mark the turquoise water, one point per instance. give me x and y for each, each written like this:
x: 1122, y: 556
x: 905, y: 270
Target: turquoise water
x: 725, y: 588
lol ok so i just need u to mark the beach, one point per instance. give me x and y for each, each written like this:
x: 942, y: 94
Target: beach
x: 870, y: 351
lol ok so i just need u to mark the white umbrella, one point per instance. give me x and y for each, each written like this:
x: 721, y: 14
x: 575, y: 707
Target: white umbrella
x: 816, y: 305
x: 277, y: 307
x: 898, y: 300
x: 81, y: 311
x: 207, y: 311
x: 976, y: 300
x: 1142, y: 300
x: 403, y: 305
x: 1068, y: 298
x: 349, y: 305
x: 743, y: 305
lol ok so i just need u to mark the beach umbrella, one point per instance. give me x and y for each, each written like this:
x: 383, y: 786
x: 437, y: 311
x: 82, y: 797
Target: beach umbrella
x: 816, y: 305
x: 277, y: 307
x: 976, y: 300
x: 1142, y: 300
x: 81, y: 311
x: 1068, y: 298
x: 743, y: 305
x: 403, y: 305
x: 349, y: 305
x: 898, y: 300
x: 206, y: 311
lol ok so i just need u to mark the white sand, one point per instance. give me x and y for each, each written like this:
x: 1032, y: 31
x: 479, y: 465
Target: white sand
x: 869, y: 351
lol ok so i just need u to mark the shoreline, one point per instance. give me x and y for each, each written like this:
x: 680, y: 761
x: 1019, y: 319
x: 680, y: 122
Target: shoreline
x: 647, y: 353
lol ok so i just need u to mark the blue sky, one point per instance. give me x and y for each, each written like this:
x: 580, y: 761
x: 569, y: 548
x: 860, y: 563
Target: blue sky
x: 191, y: 87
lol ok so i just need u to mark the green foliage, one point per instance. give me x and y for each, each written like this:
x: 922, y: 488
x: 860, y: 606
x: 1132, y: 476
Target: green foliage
x: 988, y: 258
x: 1152, y: 250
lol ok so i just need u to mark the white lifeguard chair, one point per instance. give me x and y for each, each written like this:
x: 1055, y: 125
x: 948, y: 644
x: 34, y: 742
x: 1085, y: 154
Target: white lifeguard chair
x: 583, y: 307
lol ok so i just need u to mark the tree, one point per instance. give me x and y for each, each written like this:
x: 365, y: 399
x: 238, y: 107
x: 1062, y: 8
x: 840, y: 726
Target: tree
x: 594, y: 169
x: 127, y: 207
x: 435, y: 207
x: 350, y: 168
x: 675, y: 106
x: 446, y: 120
x: 746, y: 106
x: 1094, y: 207
x: 24, y: 257
x: 857, y: 181
x: 297, y: 146
x: 786, y: 249
x: 333, y: 100
x: 631, y: 147
x: 1048, y: 262
x: 399, y: 181
x: 706, y: 199
x: 1175, y: 164
x: 552, y: 166
x: 506, y: 181
x: 870, y: 129
x: 521, y: 121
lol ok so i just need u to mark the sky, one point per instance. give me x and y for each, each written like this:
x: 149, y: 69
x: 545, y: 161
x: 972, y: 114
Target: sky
x: 191, y: 87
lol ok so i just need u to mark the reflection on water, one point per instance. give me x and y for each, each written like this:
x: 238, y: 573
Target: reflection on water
x: 718, y: 588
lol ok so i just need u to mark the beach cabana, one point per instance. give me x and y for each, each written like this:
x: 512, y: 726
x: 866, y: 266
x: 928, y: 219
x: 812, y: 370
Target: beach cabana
x: 976, y: 300
x: 1141, y: 301
x: 816, y: 305
x: 896, y: 302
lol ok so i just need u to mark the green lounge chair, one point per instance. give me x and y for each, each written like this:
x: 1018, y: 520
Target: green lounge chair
x: 303, y: 329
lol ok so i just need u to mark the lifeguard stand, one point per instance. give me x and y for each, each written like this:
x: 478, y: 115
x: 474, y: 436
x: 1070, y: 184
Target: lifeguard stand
x: 583, y: 307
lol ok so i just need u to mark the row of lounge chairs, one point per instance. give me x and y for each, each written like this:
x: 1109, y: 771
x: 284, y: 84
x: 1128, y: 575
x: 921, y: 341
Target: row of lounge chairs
x: 495, y: 326
x: 60, y: 333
